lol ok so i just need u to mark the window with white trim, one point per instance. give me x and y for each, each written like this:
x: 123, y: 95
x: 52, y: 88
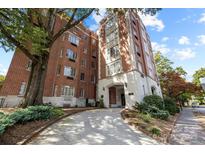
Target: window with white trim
x: 114, y: 68
x: 83, y: 62
x: 67, y: 91
x: 140, y: 67
x: 69, y: 71
x: 71, y: 55
x: 74, y: 39
x: 61, y: 53
x: 113, y: 53
x: 82, y: 92
x: 22, y: 89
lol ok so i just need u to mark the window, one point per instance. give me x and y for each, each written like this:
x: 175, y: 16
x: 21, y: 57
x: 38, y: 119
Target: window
x: 67, y: 91
x: 94, y: 54
x: 145, y: 47
x: 82, y: 92
x: 71, y: 55
x: 58, y: 69
x: 93, y: 64
x: 61, y: 53
x: 83, y: 62
x: 85, y: 50
x: 69, y: 71
x: 110, y: 24
x: 22, y: 89
x: 93, y: 78
x: 74, y: 39
x: 153, y: 89
x: 133, y: 22
x: 114, y: 68
x: 111, y: 37
x: 29, y: 65
x: 140, y: 67
x: 84, y: 37
x: 55, y: 90
x: 82, y: 76
x: 93, y: 41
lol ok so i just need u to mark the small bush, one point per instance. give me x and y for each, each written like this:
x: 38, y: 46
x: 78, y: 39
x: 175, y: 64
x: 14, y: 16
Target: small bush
x: 142, y: 107
x: 101, y: 105
x: 170, y: 105
x: 146, y: 117
x: 2, y: 115
x: 164, y: 115
x: 154, y: 100
x: 178, y: 109
x: 155, y: 131
x: 31, y: 113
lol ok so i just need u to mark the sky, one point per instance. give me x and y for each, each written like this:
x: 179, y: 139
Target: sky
x: 178, y: 33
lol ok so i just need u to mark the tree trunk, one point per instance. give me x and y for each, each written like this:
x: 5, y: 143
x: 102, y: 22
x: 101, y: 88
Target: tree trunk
x: 34, y: 92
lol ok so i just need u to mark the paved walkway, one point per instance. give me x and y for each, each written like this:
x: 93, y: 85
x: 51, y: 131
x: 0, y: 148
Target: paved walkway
x: 103, y: 126
x: 187, y: 130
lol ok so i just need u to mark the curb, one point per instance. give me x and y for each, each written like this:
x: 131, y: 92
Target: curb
x: 169, y: 135
x: 35, y: 133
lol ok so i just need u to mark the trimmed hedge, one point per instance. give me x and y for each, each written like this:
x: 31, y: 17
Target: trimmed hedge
x: 31, y: 113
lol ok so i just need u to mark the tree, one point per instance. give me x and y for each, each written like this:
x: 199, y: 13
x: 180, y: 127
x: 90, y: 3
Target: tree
x: 181, y: 71
x: 32, y: 31
x: 163, y: 64
x: 198, y: 74
x: 2, y: 78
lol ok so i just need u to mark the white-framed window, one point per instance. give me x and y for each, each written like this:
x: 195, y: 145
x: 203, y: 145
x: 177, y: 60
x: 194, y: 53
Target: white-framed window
x: 110, y: 23
x: 61, y: 53
x: 29, y: 65
x: 82, y: 92
x: 22, y: 89
x: 93, y: 41
x: 82, y: 76
x: 71, y: 55
x: 83, y: 62
x: 67, y: 91
x: 93, y: 79
x: 69, y: 71
x: 112, y: 36
x: 114, y: 68
x: 113, y: 53
x: 55, y: 90
x: 146, y: 49
x: 140, y: 67
x: 74, y: 39
x: 85, y: 50
x: 58, y: 69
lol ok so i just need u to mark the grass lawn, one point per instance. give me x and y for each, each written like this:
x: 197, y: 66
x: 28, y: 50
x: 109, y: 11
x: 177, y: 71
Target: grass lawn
x: 155, y: 128
x: 19, y: 132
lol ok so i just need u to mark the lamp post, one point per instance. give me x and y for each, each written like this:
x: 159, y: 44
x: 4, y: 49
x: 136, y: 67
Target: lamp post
x: 202, y: 80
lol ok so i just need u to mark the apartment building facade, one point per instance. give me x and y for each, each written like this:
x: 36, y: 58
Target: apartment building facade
x: 72, y: 70
x: 126, y: 70
x: 116, y: 65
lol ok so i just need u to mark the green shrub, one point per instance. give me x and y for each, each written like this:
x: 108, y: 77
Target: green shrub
x: 2, y: 115
x: 146, y: 117
x: 178, y: 109
x: 155, y: 131
x: 154, y: 100
x: 170, y: 105
x: 164, y: 115
x: 101, y: 105
x: 31, y: 113
x: 142, y: 107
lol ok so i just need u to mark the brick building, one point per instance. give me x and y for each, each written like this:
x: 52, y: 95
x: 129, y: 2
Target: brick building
x: 72, y: 70
x: 117, y: 64
x: 127, y: 70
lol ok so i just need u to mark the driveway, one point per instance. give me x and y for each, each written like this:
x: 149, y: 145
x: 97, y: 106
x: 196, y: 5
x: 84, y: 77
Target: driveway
x: 102, y: 126
x: 187, y: 130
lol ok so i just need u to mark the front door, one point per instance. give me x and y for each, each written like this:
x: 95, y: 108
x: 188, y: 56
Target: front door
x: 112, y: 96
x: 123, y: 100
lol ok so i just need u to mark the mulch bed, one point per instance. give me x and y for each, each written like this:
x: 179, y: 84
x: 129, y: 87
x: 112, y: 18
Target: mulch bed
x: 165, y: 127
x: 19, y: 132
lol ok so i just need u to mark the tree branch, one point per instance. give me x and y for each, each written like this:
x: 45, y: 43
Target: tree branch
x: 17, y: 44
x: 69, y: 25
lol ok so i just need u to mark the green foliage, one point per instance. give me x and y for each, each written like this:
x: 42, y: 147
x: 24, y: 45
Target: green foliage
x: 161, y: 114
x: 2, y: 115
x: 163, y: 63
x: 101, y: 105
x: 181, y: 71
x: 155, y: 131
x: 31, y: 113
x: 154, y: 100
x: 197, y: 75
x: 170, y: 105
x: 146, y: 117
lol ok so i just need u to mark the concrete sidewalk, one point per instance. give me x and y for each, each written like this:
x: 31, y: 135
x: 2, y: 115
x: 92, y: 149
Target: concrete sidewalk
x: 187, y: 130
